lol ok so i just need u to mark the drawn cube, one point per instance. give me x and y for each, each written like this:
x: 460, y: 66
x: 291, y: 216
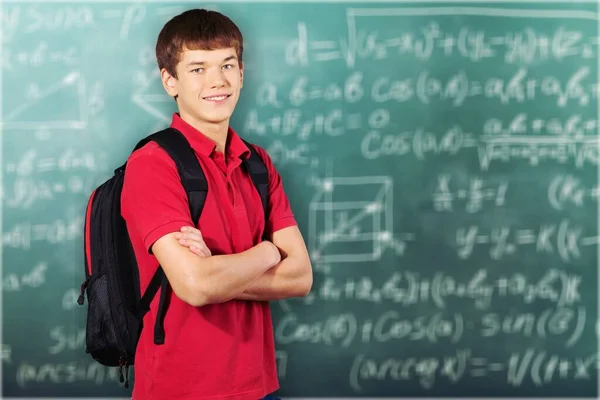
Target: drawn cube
x: 350, y: 219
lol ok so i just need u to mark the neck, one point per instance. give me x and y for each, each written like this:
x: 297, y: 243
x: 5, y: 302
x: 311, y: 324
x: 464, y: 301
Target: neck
x: 217, y: 132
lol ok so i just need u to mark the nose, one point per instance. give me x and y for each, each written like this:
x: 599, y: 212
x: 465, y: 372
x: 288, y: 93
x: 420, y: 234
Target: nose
x: 218, y: 79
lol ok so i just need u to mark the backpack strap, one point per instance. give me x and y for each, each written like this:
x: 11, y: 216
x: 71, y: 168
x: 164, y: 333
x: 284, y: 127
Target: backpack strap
x: 191, y: 174
x: 144, y: 304
x: 194, y: 182
x: 255, y: 166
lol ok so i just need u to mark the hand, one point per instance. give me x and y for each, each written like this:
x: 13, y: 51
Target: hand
x: 191, y: 238
x: 272, y: 253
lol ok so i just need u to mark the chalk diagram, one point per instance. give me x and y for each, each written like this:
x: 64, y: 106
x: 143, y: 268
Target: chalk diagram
x: 351, y: 220
x: 152, y: 98
x: 67, y: 99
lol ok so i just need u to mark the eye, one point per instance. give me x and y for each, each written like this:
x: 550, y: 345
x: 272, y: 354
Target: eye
x: 197, y: 70
x: 228, y: 66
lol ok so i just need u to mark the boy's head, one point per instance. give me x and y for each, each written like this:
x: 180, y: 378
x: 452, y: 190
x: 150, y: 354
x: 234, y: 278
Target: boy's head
x: 199, y: 54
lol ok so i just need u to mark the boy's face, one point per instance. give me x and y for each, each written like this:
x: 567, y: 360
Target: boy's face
x: 208, y: 84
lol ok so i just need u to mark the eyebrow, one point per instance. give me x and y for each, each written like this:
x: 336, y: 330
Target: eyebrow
x: 191, y: 63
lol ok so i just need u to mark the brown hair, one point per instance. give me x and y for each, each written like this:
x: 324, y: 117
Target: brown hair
x: 196, y: 29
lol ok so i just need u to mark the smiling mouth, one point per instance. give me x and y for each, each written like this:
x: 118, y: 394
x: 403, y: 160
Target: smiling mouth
x: 217, y: 98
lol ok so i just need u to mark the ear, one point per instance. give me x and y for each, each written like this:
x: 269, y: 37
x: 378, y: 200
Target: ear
x: 241, y: 74
x: 168, y: 82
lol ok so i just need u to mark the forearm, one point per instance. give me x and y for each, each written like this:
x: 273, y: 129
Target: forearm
x: 224, y: 277
x: 286, y: 279
x: 285, y: 273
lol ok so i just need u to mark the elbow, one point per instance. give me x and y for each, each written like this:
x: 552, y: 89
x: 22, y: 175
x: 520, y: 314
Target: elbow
x: 198, y: 300
x: 195, y: 299
x: 202, y: 290
x: 308, y: 285
x: 304, y: 284
x: 194, y: 295
x: 209, y: 294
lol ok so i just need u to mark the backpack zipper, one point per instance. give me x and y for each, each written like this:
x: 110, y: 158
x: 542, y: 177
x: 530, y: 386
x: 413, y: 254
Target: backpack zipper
x: 123, y: 364
x: 87, y: 250
x: 82, y: 291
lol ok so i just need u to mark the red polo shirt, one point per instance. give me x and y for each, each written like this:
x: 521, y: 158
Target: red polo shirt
x: 218, y: 351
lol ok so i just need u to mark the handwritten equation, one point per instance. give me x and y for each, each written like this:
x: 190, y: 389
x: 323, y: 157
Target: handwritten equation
x: 532, y: 149
x: 42, y: 55
x: 26, y: 193
x: 346, y: 330
x: 568, y: 190
x: 564, y: 190
x: 429, y: 39
x: 70, y: 159
x: 24, y: 234
x: 36, y: 19
x: 520, y: 86
x: 563, y: 238
x: 32, y: 279
x: 474, y: 196
x: 29, y: 374
x: 442, y: 290
x: 536, y: 366
x: 458, y: 88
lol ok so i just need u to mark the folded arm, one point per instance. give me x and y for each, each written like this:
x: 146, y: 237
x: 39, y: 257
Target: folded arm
x: 291, y: 277
x: 153, y: 203
x: 215, y: 279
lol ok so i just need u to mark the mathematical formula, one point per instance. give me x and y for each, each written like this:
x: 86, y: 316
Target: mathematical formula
x: 24, y: 234
x: 442, y: 290
x: 561, y: 238
x: 346, y: 330
x: 29, y: 373
x: 522, y: 46
x: 425, y: 87
x: 475, y: 196
x: 536, y: 366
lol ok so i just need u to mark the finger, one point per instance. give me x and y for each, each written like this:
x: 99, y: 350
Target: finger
x: 197, y: 241
x: 186, y: 243
x: 192, y: 236
x: 193, y: 246
x: 199, y: 246
x: 202, y: 246
x: 198, y: 251
x: 191, y: 230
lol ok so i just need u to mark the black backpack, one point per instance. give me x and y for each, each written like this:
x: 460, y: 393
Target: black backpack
x: 115, y: 304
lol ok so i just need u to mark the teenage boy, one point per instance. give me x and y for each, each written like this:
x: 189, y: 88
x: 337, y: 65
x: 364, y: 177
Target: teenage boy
x: 219, y: 341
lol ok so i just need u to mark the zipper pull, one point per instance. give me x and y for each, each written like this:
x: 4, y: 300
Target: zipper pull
x: 82, y: 291
x: 121, y: 369
x: 126, y: 376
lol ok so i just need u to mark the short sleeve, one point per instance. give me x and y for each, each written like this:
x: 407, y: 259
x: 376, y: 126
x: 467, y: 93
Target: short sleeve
x: 153, y: 201
x: 280, y: 213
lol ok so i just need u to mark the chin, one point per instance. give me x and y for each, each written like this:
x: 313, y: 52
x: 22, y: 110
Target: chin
x: 217, y: 119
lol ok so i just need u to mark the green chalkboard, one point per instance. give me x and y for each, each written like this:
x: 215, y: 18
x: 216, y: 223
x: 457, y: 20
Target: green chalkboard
x: 441, y: 160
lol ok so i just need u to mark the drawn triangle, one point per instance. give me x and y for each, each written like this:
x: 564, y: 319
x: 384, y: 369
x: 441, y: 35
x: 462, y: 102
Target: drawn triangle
x: 153, y: 99
x: 59, y: 106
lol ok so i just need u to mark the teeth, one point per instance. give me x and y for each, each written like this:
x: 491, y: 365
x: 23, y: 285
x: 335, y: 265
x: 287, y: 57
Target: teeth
x: 216, y: 98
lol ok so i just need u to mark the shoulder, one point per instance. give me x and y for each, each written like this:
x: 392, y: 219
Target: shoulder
x: 150, y: 157
x: 149, y: 168
x: 150, y: 151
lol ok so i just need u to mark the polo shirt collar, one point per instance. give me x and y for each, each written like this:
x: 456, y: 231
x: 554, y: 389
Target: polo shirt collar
x: 236, y: 148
